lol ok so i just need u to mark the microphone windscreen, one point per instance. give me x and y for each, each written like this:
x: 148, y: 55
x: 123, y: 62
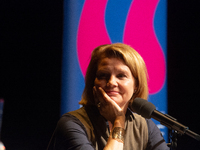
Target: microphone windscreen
x: 143, y: 107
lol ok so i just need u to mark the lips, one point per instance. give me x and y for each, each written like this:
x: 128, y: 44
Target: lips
x: 112, y: 93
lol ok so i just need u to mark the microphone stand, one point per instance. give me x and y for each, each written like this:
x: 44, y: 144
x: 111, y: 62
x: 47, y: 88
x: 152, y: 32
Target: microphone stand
x: 172, y: 136
x: 175, y: 127
x: 148, y: 110
x: 173, y: 140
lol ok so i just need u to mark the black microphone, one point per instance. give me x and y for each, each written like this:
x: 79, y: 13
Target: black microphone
x: 148, y: 110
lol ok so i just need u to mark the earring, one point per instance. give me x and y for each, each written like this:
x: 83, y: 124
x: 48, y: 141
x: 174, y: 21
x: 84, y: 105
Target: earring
x: 99, y: 105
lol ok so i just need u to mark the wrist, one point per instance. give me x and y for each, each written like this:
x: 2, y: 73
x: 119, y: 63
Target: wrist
x: 119, y: 121
x: 118, y: 134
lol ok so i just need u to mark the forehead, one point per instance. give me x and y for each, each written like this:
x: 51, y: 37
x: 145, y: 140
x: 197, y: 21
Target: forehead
x: 113, y: 63
x: 108, y: 60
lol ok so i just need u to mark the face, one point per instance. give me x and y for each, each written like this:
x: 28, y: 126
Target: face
x: 116, y: 79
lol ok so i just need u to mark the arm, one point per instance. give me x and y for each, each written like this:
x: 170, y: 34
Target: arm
x: 116, y: 143
x: 115, y: 115
x: 70, y: 134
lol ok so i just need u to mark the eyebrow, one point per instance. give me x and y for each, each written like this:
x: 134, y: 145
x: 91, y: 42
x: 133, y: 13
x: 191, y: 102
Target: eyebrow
x: 106, y: 69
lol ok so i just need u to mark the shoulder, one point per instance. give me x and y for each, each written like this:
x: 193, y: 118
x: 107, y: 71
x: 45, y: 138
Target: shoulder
x: 139, y: 121
x: 75, y: 118
x: 80, y: 114
x: 71, y: 117
x: 69, y: 122
x: 72, y: 124
x: 153, y: 129
x: 70, y: 133
x: 156, y: 140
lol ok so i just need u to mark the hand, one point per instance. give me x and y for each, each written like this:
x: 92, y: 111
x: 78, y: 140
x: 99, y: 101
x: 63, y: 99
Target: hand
x: 108, y: 108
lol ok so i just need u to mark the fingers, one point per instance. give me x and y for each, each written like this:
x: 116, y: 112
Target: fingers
x: 95, y: 95
x: 107, y: 107
x: 101, y: 98
x: 104, y: 95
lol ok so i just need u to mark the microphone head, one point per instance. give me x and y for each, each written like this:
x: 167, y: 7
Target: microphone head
x: 143, y: 107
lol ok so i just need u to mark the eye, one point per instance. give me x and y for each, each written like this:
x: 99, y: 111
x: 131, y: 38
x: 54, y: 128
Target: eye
x: 102, y: 75
x: 121, y: 75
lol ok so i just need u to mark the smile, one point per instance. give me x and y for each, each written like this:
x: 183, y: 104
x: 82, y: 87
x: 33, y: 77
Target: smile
x: 112, y: 92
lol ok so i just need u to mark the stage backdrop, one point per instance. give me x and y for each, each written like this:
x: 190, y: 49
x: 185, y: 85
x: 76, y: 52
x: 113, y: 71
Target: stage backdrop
x: 90, y: 23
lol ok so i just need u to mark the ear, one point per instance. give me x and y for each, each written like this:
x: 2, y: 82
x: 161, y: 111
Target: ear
x: 135, y: 90
x: 135, y: 85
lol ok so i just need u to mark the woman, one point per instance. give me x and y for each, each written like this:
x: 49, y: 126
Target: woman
x: 116, y: 75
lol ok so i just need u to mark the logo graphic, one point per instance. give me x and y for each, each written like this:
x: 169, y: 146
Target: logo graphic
x: 136, y: 29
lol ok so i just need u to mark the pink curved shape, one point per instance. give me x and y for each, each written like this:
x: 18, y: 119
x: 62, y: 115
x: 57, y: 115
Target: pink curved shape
x: 92, y: 31
x: 139, y: 33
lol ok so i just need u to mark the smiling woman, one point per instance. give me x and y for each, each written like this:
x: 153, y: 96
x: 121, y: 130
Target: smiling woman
x: 116, y: 79
x: 130, y: 58
x: 116, y: 75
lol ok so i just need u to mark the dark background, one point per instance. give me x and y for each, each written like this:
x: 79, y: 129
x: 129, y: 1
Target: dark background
x: 30, y: 70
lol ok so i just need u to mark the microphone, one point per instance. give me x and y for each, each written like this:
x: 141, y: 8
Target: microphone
x: 148, y: 110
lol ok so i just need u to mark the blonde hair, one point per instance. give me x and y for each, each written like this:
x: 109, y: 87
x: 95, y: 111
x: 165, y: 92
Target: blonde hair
x: 130, y: 57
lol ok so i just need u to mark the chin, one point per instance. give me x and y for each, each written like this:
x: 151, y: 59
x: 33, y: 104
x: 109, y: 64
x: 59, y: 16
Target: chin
x: 117, y: 100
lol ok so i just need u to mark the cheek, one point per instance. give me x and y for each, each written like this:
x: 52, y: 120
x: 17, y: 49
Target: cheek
x: 129, y: 88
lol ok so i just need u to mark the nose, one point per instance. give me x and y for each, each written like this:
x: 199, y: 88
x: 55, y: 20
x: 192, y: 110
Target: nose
x: 112, y: 81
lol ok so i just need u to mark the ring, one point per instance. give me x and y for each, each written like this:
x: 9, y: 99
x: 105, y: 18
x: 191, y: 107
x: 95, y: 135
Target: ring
x: 99, y: 105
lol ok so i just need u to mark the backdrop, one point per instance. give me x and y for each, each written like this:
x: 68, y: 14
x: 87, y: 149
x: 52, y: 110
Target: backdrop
x: 31, y: 46
x: 141, y: 24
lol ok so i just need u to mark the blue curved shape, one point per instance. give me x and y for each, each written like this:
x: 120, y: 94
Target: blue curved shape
x: 160, y: 24
x: 160, y: 28
x: 72, y: 78
x: 115, y: 18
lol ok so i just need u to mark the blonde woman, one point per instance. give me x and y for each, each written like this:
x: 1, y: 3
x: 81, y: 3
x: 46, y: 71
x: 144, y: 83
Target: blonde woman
x: 116, y: 75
